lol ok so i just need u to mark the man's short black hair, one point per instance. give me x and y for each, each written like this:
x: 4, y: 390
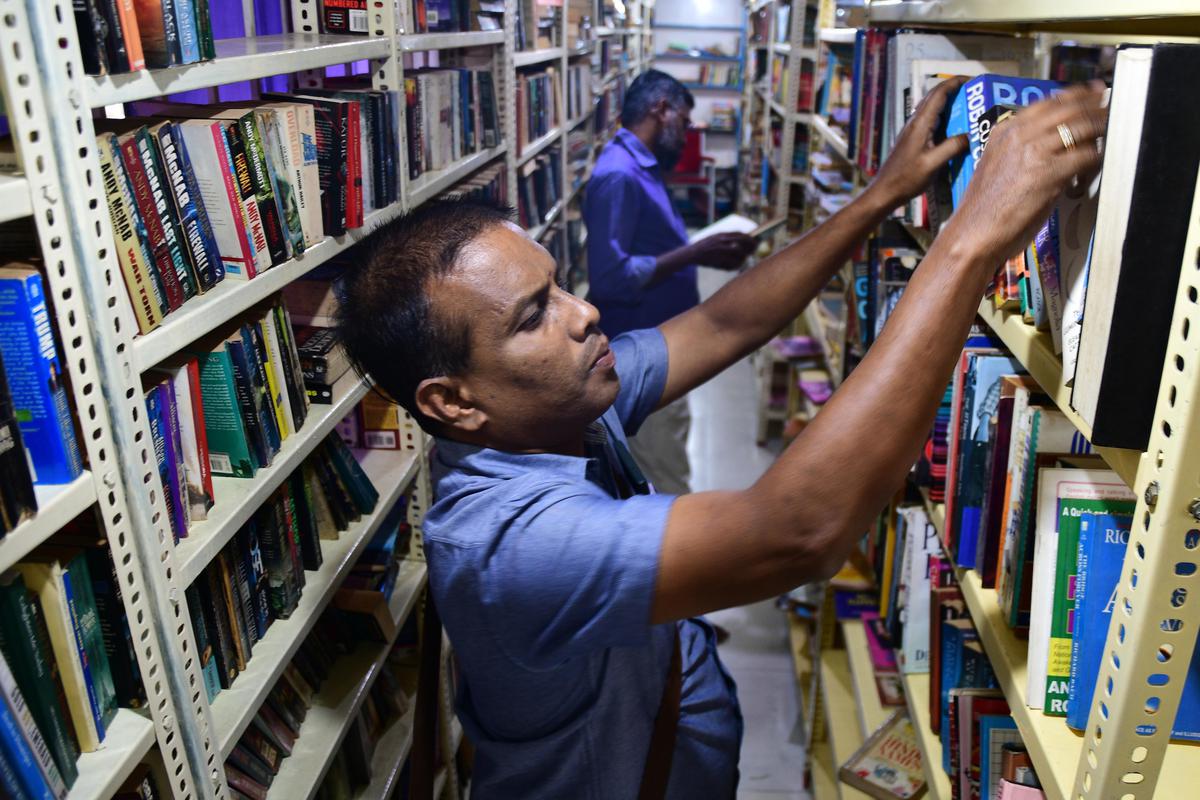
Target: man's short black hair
x: 646, y: 90
x: 385, y: 320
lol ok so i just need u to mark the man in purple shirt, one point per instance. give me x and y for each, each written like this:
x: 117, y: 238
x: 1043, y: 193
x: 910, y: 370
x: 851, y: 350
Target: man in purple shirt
x: 641, y: 269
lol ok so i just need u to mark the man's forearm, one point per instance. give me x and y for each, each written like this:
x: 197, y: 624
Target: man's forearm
x: 855, y: 453
x: 669, y: 263
x: 758, y: 304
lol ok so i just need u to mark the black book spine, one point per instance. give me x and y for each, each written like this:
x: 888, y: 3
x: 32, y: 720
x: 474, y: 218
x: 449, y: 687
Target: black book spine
x: 216, y: 620
x: 250, y: 554
x: 93, y: 34
x: 114, y: 627
x: 310, y: 544
x: 241, y: 576
x: 268, y: 209
x: 114, y: 41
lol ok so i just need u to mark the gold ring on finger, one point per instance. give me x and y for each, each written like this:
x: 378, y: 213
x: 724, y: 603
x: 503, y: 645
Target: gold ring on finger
x: 1068, y: 138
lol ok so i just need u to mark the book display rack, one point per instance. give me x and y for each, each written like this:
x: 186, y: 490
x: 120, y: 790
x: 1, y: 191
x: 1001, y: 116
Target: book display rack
x: 1125, y: 751
x: 53, y: 112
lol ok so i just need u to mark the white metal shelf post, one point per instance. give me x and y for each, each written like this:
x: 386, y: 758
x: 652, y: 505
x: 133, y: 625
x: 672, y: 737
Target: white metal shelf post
x: 508, y: 99
x: 1157, y: 603
x: 94, y: 317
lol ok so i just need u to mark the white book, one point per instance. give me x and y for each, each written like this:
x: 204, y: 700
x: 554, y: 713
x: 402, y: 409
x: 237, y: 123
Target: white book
x: 1054, y: 484
x: 277, y: 132
x: 29, y: 729
x: 921, y: 544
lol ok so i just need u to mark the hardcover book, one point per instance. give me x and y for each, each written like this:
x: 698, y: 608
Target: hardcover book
x: 888, y: 765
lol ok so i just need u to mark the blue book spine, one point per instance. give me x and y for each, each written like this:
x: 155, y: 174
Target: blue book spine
x: 88, y: 679
x: 34, y: 375
x: 952, y: 642
x: 10, y: 786
x: 860, y: 50
x: 1100, y: 556
x: 974, y: 98
x: 158, y: 438
x: 19, y: 757
x: 176, y: 488
x: 189, y: 37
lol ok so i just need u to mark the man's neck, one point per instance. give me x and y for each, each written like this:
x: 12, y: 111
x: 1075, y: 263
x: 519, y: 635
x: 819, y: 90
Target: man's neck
x: 571, y: 445
x: 646, y: 132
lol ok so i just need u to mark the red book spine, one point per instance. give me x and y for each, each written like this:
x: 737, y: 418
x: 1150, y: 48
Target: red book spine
x: 221, y: 145
x: 154, y: 226
x: 354, y: 206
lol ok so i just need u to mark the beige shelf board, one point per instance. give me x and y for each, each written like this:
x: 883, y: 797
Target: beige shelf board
x: 537, y: 232
x: 57, y: 505
x: 835, y: 140
x: 229, y: 298
x: 390, y: 754
x: 916, y: 694
x: 871, y: 713
x: 430, y: 184
x: 1034, y: 349
x: 101, y: 772
x: 824, y: 772
x: 15, y: 200
x: 239, y: 59
x: 1179, y: 17
x: 1054, y: 748
x: 527, y: 58
x: 237, y: 499
x: 536, y: 146
x: 390, y: 471
x: 414, y: 42
x: 838, y: 35
x: 842, y: 724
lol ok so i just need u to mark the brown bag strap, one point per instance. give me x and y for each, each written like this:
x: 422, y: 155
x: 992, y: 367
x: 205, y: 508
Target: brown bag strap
x: 657, y: 772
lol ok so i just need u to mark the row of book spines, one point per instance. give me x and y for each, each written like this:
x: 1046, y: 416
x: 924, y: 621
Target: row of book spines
x: 449, y: 114
x: 271, y: 737
x: 237, y: 190
x: 539, y: 105
x: 33, y: 398
x: 539, y: 187
x: 66, y: 661
x: 259, y: 576
x: 128, y: 35
x: 252, y: 395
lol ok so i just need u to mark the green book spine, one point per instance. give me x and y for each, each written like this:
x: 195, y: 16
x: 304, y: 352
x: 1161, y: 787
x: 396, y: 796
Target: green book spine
x: 228, y: 447
x: 35, y: 673
x: 359, y: 485
x: 1062, y: 621
x: 86, y: 620
x: 208, y: 46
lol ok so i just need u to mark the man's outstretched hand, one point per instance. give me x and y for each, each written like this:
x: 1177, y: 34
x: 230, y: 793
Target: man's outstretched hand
x: 726, y: 251
x: 915, y: 159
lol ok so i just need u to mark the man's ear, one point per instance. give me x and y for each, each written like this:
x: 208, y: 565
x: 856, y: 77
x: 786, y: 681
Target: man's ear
x: 450, y: 402
x: 660, y: 109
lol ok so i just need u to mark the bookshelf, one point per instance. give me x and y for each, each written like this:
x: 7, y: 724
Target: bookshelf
x: 182, y: 735
x: 916, y: 697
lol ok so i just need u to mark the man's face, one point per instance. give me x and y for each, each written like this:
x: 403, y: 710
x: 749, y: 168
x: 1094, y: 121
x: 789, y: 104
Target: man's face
x: 540, y: 369
x: 672, y: 135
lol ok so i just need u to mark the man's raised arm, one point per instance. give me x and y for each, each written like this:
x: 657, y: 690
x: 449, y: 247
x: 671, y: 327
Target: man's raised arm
x: 801, y: 519
x: 749, y: 310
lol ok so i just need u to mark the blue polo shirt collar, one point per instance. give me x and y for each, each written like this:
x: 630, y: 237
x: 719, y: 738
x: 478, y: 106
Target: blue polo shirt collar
x: 472, y: 459
x: 644, y: 158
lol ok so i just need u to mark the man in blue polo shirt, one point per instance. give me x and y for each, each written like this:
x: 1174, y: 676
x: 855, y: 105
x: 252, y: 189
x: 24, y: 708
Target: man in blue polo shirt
x: 570, y: 592
x: 641, y: 269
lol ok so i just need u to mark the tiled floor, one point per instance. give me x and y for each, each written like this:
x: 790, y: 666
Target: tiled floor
x: 724, y: 455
